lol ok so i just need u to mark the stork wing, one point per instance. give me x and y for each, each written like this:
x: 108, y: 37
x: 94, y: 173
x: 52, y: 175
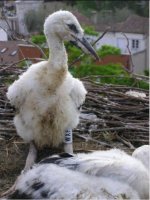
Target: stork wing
x: 78, y: 93
x: 16, y: 94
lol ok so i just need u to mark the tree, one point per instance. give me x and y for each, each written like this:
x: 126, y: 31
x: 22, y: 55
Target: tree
x: 140, y: 7
x: 108, y: 50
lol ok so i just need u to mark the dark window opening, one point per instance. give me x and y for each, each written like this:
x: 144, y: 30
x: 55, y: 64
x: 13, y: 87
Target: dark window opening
x: 135, y: 44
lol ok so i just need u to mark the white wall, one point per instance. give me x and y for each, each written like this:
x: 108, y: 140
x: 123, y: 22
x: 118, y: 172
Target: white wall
x: 120, y: 41
x: 131, y: 36
x: 139, y: 61
x: 3, y: 35
x: 140, y: 56
x: 147, y: 52
x: 108, y: 39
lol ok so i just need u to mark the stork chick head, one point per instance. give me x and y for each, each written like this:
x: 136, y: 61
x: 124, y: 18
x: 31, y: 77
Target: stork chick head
x: 65, y: 26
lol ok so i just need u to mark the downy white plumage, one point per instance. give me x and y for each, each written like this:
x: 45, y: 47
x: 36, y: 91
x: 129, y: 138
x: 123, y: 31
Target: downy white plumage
x: 108, y: 175
x: 114, y: 164
x: 46, y: 96
x: 49, y: 181
x: 142, y: 153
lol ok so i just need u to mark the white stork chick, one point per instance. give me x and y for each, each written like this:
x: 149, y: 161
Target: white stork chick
x: 114, y: 164
x: 142, y: 153
x: 49, y: 181
x: 46, y: 96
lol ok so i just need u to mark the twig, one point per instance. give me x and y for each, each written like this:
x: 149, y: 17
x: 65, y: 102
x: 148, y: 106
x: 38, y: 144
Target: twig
x: 7, y: 129
x: 93, y: 140
x: 24, y: 59
x: 125, y: 142
x: 101, y: 36
x: 5, y: 31
x: 128, y: 47
x: 16, y: 38
x: 8, y: 24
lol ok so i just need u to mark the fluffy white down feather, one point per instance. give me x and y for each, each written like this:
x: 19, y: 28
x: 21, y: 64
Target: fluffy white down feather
x: 44, y: 114
x: 54, y: 182
x: 110, y: 174
x: 46, y: 96
x: 114, y: 164
x: 143, y: 153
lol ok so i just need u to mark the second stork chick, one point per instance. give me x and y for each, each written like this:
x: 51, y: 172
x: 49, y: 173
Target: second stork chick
x: 114, y: 164
x: 46, y: 96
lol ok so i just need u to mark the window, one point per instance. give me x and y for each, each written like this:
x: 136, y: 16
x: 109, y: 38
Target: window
x: 3, y: 50
x: 13, y: 53
x: 135, y: 44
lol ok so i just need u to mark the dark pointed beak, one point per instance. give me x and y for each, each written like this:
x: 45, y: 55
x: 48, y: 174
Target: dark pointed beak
x: 88, y: 46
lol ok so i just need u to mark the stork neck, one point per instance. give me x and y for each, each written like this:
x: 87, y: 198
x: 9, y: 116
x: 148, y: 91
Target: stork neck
x: 57, y: 57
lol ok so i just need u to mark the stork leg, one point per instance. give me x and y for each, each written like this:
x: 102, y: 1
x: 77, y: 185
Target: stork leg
x: 31, y: 158
x: 68, y: 146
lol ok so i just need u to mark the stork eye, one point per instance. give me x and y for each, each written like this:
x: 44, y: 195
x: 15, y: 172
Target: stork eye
x: 73, y: 28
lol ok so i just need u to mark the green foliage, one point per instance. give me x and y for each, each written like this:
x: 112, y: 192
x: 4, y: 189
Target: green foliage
x: 141, y: 84
x: 90, y: 31
x: 38, y: 39
x: 93, y: 69
x: 140, y: 7
x: 73, y: 52
x: 113, y: 74
x: 85, y: 5
x: 108, y: 50
x: 146, y: 72
x: 22, y: 64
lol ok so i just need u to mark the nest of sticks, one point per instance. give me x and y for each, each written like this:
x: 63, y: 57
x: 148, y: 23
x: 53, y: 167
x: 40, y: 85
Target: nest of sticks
x: 110, y: 118
x: 117, y: 116
x: 108, y: 115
